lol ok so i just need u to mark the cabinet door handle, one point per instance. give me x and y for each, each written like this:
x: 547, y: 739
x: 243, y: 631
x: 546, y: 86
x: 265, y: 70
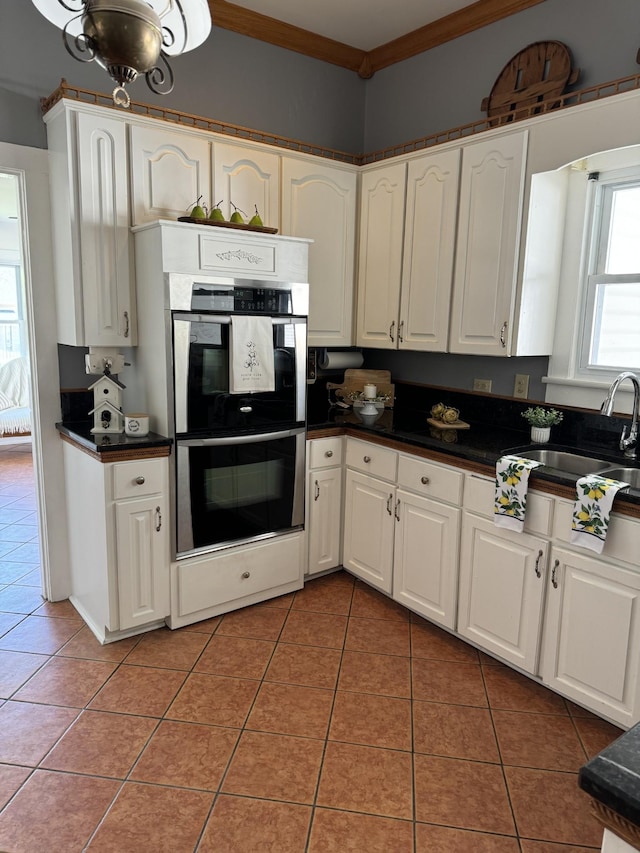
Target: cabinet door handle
x: 389, y: 499
x: 554, y: 582
x: 503, y: 334
x: 317, y: 494
x: 328, y: 453
x: 396, y: 511
x: 139, y: 481
x: 537, y: 567
x: 425, y: 481
x: 400, y: 328
x: 158, y: 519
x: 366, y: 459
x: 391, y: 328
x: 246, y: 575
x: 126, y: 324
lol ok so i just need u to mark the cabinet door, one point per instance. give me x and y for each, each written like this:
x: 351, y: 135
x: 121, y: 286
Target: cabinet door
x: 143, y: 561
x: 425, y: 563
x: 491, y: 192
x: 591, y: 647
x: 249, y: 177
x: 108, y: 302
x: 501, y: 590
x: 382, y: 197
x: 368, y: 529
x: 170, y: 170
x: 320, y: 202
x: 324, y: 500
x: 429, y: 243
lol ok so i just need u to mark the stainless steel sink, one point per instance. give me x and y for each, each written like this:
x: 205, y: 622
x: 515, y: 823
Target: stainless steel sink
x: 627, y: 475
x: 569, y: 463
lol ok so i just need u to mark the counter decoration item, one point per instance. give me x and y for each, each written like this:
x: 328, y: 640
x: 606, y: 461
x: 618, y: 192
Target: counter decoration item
x: 370, y: 391
x: 198, y: 216
x: 541, y: 420
x: 446, y: 417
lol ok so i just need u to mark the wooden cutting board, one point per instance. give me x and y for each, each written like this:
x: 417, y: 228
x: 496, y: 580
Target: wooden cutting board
x: 355, y: 378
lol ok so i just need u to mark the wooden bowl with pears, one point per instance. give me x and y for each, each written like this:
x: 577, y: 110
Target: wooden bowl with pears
x: 199, y: 216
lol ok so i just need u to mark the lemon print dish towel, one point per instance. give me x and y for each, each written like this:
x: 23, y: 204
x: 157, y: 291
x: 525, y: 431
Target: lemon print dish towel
x: 512, y: 482
x: 592, y: 509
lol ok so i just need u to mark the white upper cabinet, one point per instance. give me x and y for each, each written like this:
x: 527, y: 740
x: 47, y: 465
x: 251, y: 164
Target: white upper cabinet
x: 90, y: 225
x: 247, y: 177
x: 382, y: 199
x: 170, y: 170
x: 319, y: 202
x: 429, y: 244
x: 489, y: 221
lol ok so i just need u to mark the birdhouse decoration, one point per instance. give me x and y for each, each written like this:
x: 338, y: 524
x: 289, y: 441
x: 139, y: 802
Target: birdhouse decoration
x: 107, y: 405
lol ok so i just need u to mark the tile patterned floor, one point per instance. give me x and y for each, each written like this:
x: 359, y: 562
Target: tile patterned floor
x: 327, y: 721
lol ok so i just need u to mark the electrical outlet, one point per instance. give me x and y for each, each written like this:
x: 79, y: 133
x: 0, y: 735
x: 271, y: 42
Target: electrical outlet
x: 521, y: 385
x: 482, y: 385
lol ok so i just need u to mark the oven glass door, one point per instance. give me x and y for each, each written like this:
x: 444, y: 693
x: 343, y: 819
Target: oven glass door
x: 203, y: 402
x: 238, y: 488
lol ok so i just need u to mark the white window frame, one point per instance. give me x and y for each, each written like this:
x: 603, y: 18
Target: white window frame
x: 598, y: 211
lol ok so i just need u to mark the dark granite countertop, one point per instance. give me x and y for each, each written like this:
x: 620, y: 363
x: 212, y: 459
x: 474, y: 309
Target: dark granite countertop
x: 613, y: 776
x: 80, y: 433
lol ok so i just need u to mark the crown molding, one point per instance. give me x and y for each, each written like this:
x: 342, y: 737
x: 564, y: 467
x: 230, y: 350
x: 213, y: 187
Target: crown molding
x: 229, y: 16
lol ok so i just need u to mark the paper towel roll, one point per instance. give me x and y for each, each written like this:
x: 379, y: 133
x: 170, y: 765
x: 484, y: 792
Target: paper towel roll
x: 340, y: 359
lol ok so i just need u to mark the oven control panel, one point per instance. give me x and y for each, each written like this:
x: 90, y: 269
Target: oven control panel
x: 232, y: 298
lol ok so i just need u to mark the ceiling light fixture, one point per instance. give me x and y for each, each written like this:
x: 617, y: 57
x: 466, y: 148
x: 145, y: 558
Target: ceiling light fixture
x: 130, y: 37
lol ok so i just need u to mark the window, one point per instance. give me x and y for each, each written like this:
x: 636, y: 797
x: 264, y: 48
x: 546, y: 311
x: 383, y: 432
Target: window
x: 610, y: 334
x: 13, y: 340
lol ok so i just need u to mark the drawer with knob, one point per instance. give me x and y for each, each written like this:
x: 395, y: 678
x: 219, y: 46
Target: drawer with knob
x: 372, y: 459
x: 137, y: 479
x: 430, y: 479
x: 325, y: 452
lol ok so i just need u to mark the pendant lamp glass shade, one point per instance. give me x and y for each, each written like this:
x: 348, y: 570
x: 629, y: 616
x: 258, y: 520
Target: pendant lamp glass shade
x: 130, y: 37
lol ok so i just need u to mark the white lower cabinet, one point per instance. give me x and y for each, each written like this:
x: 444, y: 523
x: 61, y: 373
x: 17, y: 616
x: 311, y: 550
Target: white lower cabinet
x: 324, y: 504
x: 502, y: 578
x: 591, y: 641
x: 119, y: 542
x: 368, y: 529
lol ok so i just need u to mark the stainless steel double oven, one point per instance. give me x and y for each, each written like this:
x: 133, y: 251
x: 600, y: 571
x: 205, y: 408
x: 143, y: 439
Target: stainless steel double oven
x: 240, y: 457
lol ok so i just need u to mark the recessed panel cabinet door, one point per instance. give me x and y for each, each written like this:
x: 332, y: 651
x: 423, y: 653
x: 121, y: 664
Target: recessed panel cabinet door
x: 319, y: 202
x: 425, y: 565
x: 381, y: 232
x: 324, y: 501
x: 501, y: 590
x: 429, y: 246
x: 142, y: 539
x: 368, y: 529
x: 490, y: 210
x: 247, y: 178
x: 591, y: 650
x: 170, y: 170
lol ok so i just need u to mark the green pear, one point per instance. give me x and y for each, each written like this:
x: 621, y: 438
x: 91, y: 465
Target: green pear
x: 216, y: 214
x: 256, y: 219
x: 236, y: 216
x: 197, y: 211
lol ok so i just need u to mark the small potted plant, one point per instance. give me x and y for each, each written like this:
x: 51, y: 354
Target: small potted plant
x: 541, y: 420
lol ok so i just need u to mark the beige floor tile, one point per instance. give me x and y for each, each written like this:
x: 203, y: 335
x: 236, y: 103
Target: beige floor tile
x: 41, y: 634
x: 339, y: 831
x: 84, y: 645
x: 454, y: 731
x: 66, y: 681
x: 238, y: 657
x: 101, y: 744
x: 186, y: 755
x: 371, y: 720
x: 139, y: 690
x: 275, y: 767
x: 366, y: 779
x: 150, y: 818
x: 11, y: 779
x: 16, y: 668
x: 55, y: 811
x: 214, y: 700
x: 306, y: 665
x: 240, y: 824
x: 462, y: 794
x: 27, y: 732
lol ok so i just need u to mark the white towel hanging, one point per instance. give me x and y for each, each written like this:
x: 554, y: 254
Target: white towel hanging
x: 251, y: 366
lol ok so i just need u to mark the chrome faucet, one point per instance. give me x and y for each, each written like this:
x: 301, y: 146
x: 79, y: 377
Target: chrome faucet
x: 628, y: 442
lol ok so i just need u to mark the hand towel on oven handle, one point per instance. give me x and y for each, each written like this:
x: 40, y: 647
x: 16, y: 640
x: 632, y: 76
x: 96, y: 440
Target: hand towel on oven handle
x: 251, y: 365
x: 512, y: 482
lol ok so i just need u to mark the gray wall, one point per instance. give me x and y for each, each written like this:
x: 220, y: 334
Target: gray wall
x: 444, y: 87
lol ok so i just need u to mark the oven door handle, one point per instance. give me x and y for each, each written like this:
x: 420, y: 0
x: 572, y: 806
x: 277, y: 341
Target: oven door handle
x: 239, y: 439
